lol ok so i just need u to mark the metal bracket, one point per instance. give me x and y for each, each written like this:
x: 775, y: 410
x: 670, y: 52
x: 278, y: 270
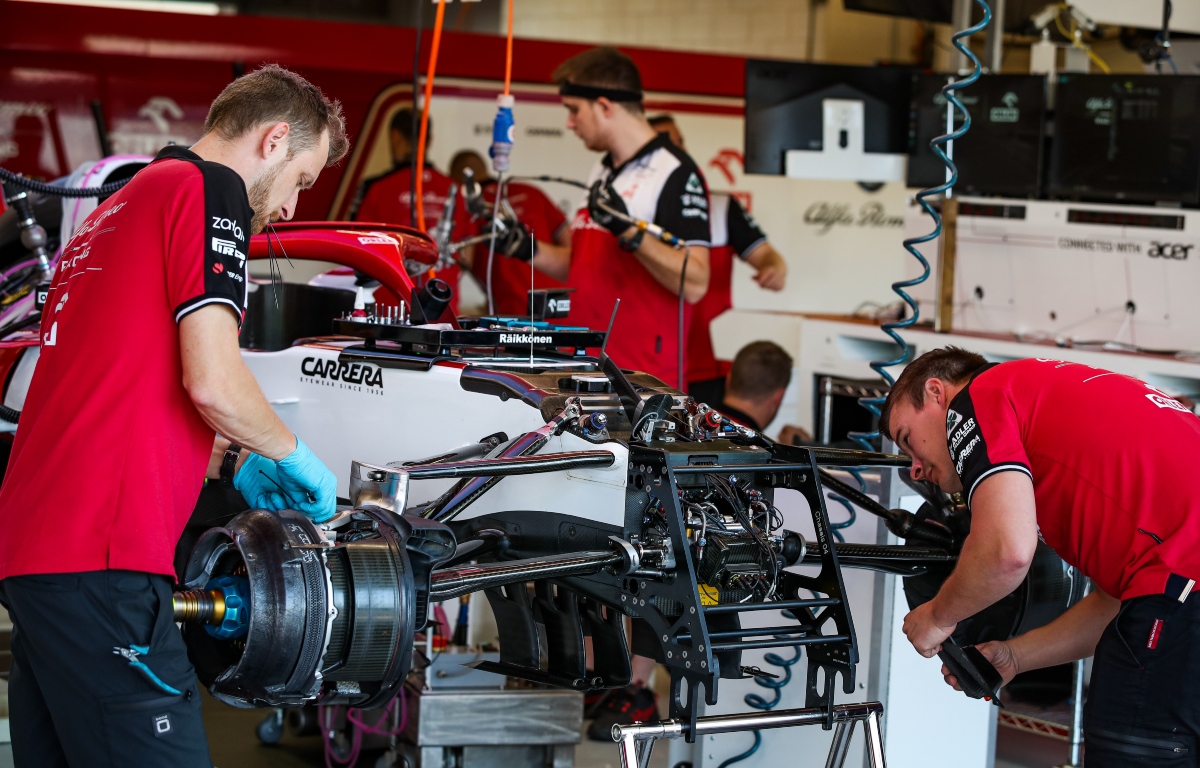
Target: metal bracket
x: 637, y: 741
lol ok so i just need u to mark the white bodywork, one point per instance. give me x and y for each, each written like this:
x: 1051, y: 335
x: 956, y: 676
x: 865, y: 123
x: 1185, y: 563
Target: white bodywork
x: 416, y: 414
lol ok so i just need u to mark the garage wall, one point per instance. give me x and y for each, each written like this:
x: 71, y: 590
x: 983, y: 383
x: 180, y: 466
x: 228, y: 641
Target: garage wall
x: 818, y: 30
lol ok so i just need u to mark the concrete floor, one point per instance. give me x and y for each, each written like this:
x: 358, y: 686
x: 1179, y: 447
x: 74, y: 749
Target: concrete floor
x: 233, y: 744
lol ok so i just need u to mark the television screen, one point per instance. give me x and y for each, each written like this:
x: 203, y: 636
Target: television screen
x: 1123, y: 137
x: 1001, y: 154
x: 784, y: 108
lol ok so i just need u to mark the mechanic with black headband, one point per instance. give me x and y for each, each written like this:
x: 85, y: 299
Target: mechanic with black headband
x: 645, y: 175
x: 1102, y: 467
x: 139, y: 368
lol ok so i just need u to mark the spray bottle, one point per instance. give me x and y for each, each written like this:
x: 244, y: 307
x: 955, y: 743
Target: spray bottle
x: 502, y: 133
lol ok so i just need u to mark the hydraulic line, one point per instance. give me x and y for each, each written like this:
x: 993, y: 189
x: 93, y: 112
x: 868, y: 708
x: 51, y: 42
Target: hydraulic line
x: 43, y: 188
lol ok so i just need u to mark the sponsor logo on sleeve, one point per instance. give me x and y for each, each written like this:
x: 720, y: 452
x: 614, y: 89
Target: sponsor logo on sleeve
x: 228, y: 248
x: 953, y: 419
x: 693, y: 199
x: 228, y: 225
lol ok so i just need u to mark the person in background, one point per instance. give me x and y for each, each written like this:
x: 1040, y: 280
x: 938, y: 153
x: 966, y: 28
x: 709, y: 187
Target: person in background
x: 388, y: 198
x: 734, y: 233
x: 755, y: 384
x: 536, y: 212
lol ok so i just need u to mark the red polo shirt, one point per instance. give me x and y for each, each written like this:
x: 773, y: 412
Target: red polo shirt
x: 1112, y: 461
x: 662, y: 185
x: 510, y: 277
x: 110, y: 453
x: 734, y: 233
x: 387, y: 199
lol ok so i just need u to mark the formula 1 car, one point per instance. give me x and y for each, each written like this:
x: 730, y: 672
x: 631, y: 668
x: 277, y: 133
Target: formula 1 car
x: 497, y: 454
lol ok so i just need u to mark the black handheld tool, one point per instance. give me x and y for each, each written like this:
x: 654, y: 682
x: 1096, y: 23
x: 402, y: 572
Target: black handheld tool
x: 976, y: 675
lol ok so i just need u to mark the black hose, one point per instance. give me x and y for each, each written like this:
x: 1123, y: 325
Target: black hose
x: 43, y: 188
x: 9, y: 414
x: 513, y: 465
x: 21, y: 324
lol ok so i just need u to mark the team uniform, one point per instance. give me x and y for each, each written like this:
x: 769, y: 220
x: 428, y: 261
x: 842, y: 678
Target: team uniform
x: 387, y: 199
x: 106, y: 469
x: 1113, y: 467
x: 510, y: 277
x: 662, y: 185
x: 734, y: 233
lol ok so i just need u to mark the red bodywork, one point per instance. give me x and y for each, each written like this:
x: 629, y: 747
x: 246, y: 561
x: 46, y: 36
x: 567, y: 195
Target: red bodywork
x: 378, y: 250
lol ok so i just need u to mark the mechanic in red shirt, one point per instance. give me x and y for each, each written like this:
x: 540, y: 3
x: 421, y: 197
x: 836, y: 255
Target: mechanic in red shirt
x: 119, y: 431
x: 387, y: 199
x: 538, y: 214
x: 649, y: 178
x: 1102, y: 467
x: 734, y: 233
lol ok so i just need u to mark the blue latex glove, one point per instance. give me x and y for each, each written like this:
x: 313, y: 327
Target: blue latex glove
x: 310, y: 487
x: 258, y: 482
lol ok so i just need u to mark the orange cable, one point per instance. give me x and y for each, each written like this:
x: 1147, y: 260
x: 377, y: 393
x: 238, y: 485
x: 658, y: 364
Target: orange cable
x: 508, y: 56
x: 419, y: 167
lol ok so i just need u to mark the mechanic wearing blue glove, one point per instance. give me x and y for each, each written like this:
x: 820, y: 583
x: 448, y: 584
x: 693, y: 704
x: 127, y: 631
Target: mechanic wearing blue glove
x: 100, y: 676
x: 299, y: 481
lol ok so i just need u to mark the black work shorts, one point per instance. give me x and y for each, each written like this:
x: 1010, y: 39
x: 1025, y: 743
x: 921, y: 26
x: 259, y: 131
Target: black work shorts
x: 1144, y: 700
x: 73, y: 701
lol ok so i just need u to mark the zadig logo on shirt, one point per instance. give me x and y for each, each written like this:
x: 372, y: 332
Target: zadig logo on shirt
x: 229, y: 225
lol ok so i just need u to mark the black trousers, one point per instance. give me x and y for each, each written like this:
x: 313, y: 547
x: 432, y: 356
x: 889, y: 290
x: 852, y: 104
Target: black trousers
x: 73, y: 701
x: 1143, y: 707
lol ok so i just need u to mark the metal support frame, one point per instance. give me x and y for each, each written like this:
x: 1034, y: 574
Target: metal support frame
x: 637, y: 741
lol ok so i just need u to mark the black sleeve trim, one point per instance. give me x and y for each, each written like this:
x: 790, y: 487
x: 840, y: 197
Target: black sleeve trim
x: 743, y: 255
x: 744, y: 233
x: 994, y: 470
x: 191, y: 305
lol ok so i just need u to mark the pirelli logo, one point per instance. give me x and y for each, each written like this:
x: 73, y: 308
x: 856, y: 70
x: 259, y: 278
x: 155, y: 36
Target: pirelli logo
x: 524, y: 338
x: 227, y: 248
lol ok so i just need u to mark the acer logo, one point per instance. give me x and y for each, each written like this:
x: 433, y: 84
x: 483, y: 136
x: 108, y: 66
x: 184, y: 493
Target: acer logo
x: 1177, y: 251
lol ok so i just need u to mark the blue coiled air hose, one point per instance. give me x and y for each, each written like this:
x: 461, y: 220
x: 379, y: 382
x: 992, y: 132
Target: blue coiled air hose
x: 775, y: 686
x: 874, y: 404
x: 950, y: 92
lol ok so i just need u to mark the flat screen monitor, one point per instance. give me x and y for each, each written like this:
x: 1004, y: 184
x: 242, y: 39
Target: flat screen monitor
x: 1001, y: 153
x: 1016, y: 12
x: 784, y: 108
x: 1126, y: 137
